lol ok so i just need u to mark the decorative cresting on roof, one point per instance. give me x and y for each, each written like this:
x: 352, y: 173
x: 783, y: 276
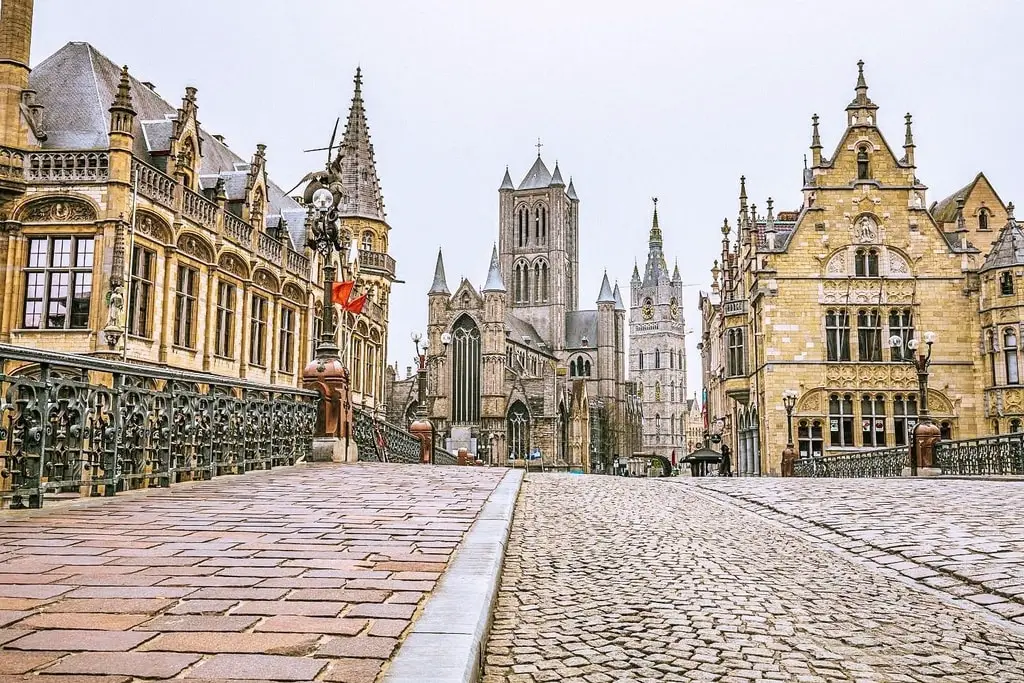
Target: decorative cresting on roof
x: 494, y: 281
x: 1008, y: 249
x: 537, y: 177
x: 606, y: 296
x: 506, y: 182
x: 355, y: 163
x: 440, y: 284
x: 861, y: 99
x: 619, y: 306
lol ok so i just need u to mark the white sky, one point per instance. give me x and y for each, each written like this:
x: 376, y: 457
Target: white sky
x: 639, y: 99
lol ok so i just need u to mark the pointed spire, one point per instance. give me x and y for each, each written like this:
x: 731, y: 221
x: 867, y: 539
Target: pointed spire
x: 861, y: 83
x: 908, y: 143
x: 506, y: 182
x: 537, y: 177
x: 1008, y: 249
x: 769, y: 220
x: 619, y: 306
x: 354, y: 166
x: 815, y: 142
x: 655, y: 238
x: 636, y: 273
x: 570, y: 192
x: 122, y: 114
x: 123, y: 98
x: 725, y: 229
x: 606, y: 296
x: 676, y: 277
x: 494, y: 281
x: 556, y: 177
x: 861, y: 100
x: 440, y: 285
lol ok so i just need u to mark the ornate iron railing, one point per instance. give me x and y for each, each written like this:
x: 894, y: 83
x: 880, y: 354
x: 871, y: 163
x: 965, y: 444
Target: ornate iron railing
x: 297, y: 263
x: 153, y: 184
x: 996, y: 455
x: 237, y: 230
x: 884, y: 462
x: 269, y: 247
x: 381, y: 441
x: 200, y: 209
x: 78, y: 424
x: 443, y: 457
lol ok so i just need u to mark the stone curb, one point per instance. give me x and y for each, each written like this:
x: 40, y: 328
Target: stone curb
x: 446, y: 643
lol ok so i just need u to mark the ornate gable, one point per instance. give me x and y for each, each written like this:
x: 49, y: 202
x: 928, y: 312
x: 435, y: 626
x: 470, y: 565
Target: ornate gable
x: 186, y: 148
x: 465, y: 297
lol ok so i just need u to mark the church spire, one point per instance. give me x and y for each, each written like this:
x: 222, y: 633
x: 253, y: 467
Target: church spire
x: 908, y: 143
x: 570, y: 191
x: 494, y: 281
x: 355, y: 163
x: 506, y: 182
x: 655, y: 237
x: 606, y: 295
x: 815, y: 143
x: 440, y: 285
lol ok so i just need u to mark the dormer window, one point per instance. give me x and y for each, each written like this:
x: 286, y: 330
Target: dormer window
x: 1006, y: 283
x: 983, y: 219
x: 862, y: 163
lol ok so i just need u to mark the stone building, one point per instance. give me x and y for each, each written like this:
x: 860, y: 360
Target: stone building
x: 694, y: 425
x: 516, y: 368
x: 810, y: 301
x: 207, y: 270
x: 657, y: 348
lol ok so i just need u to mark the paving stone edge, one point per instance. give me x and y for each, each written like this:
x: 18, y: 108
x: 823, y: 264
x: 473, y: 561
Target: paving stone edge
x: 446, y: 643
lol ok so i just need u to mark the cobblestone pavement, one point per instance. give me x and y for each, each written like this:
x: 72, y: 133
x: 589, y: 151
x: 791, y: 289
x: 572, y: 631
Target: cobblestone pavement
x: 611, y: 579
x: 965, y: 537
x: 309, y: 573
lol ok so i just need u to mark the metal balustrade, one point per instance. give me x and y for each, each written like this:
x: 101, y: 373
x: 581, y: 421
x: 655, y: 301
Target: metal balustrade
x: 992, y: 456
x: 884, y: 462
x: 82, y: 425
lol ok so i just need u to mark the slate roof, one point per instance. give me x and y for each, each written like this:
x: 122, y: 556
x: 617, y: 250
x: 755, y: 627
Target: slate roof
x: 944, y: 211
x: 537, y: 177
x: 440, y: 284
x: 494, y: 281
x: 76, y: 85
x: 605, y: 296
x: 1008, y: 249
x: 519, y: 328
x: 580, y: 324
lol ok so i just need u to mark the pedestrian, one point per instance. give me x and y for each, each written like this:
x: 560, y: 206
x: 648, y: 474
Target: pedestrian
x: 725, y: 466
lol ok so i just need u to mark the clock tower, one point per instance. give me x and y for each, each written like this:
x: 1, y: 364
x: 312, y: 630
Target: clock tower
x: 657, y: 350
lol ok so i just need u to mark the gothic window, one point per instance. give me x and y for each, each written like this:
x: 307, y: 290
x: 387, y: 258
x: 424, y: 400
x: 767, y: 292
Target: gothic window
x: 657, y: 424
x: 140, y: 292
x: 866, y: 263
x: 357, y: 364
x: 1015, y: 426
x: 185, y: 304
x: 522, y: 226
x: 901, y: 324
x: 810, y: 439
x: 224, y: 341
x: 990, y: 338
x: 540, y: 282
x: 1010, y: 355
x: 672, y: 426
x: 657, y: 391
x: 508, y: 356
x: 840, y: 418
x: 872, y: 420
x: 735, y: 362
x: 837, y: 335
x: 370, y: 386
x: 904, y: 411
x: 862, y: 163
x: 1006, y: 283
x: 258, y: 331
x: 520, y: 282
x: 995, y: 427
x: 286, y: 339
x: 318, y: 327
x: 657, y: 359
x: 367, y: 240
x: 945, y: 430
x: 518, y: 429
x: 58, y: 280
x: 541, y: 216
x: 466, y: 387
x: 869, y: 335
x: 983, y: 219
x: 640, y: 355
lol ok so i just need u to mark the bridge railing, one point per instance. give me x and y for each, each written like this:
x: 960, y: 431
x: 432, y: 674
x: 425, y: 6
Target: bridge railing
x: 992, y: 456
x: 381, y: 441
x: 86, y: 426
x: 883, y: 462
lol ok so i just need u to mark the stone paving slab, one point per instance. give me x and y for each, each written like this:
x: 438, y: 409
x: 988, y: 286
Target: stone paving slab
x: 299, y: 574
x: 961, y: 536
x: 612, y: 579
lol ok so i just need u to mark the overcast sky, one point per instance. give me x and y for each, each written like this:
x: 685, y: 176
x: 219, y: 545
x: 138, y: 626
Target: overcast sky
x: 637, y: 99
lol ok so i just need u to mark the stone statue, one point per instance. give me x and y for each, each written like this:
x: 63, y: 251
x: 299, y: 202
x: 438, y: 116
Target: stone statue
x: 866, y: 229
x: 115, y: 304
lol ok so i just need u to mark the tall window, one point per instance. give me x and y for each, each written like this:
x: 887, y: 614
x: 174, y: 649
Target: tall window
x: 286, y: 345
x: 865, y: 263
x: 140, y: 292
x: 840, y: 419
x: 945, y: 431
x: 1006, y: 283
x: 258, y: 331
x: 657, y: 391
x: 657, y: 359
x: 862, y: 163
x: 540, y: 282
x: 901, y: 324
x: 185, y: 307
x: 837, y: 335
x: 367, y: 241
x: 224, y: 343
x: 371, y: 369
x: 541, y: 214
x: 522, y: 227
x: 58, y: 282
x: 872, y: 420
x: 465, y: 371
x: 640, y: 355
x: 520, y: 284
x: 983, y: 219
x: 518, y: 429
x: 904, y: 410
x: 811, y: 441
x: 1010, y: 356
x: 869, y: 335
x: 735, y: 365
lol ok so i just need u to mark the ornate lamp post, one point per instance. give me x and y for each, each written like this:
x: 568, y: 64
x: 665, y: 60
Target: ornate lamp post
x: 789, y: 453
x: 926, y: 432
x: 421, y: 427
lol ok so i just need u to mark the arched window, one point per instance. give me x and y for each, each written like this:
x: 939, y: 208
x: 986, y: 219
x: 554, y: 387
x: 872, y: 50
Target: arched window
x: 586, y: 368
x: 995, y: 427
x: 901, y: 324
x: 517, y: 429
x: 869, y: 335
x: 872, y: 417
x: 837, y: 335
x: 520, y: 284
x: 983, y: 219
x: 865, y: 263
x: 540, y: 282
x: 657, y: 391
x: 1015, y: 426
x: 357, y: 363
x: 367, y: 240
x: 840, y: 417
x: 465, y: 371
x: 541, y: 219
x: 640, y: 355
x: 862, y: 163
x: 1006, y: 283
x: 904, y: 411
x: 811, y: 442
x: 657, y: 359
x: 1010, y: 356
x: 657, y: 424
x: 522, y: 227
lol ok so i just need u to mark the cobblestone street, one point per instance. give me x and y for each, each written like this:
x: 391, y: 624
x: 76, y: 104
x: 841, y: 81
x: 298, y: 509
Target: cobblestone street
x: 293, y: 575
x: 610, y: 579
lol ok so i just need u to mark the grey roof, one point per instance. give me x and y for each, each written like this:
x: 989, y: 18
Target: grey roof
x: 440, y: 285
x: 157, y: 134
x: 355, y: 163
x: 519, y: 329
x: 636, y: 272
x: 494, y: 282
x: 570, y: 192
x: 619, y: 306
x: 580, y: 325
x: 1008, y: 249
x: 506, y: 182
x: 556, y: 177
x: 675, y: 273
x: 537, y: 177
x: 77, y: 84
x: 605, y: 296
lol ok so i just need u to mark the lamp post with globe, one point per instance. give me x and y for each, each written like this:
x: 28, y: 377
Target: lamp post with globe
x: 789, y: 453
x: 421, y: 428
x: 926, y: 432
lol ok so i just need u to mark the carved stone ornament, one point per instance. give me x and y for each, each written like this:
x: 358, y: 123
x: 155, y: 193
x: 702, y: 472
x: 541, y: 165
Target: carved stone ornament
x: 898, y: 265
x: 63, y: 210
x: 865, y: 230
x: 293, y: 293
x: 265, y: 280
x: 195, y: 248
x: 810, y: 403
x: 151, y: 226
x: 836, y: 265
x: 232, y: 264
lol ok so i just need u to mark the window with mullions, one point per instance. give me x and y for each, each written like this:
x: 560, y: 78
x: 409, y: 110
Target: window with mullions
x: 837, y: 335
x: 185, y: 297
x: 518, y: 429
x: 865, y: 263
x: 840, y: 418
x: 258, y: 331
x: 904, y: 411
x: 224, y: 341
x: 140, y: 292
x: 869, y: 335
x: 58, y: 283
x: 810, y: 438
x: 872, y: 420
x: 286, y: 345
x: 1010, y: 356
x: 901, y: 324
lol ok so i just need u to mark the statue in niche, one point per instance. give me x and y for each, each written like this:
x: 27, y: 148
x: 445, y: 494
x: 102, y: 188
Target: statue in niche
x: 866, y: 230
x: 115, y: 304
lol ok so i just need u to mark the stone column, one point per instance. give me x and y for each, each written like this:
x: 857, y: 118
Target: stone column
x: 11, y: 302
x: 170, y: 306
x: 246, y: 306
x: 210, y: 333
x: 755, y: 440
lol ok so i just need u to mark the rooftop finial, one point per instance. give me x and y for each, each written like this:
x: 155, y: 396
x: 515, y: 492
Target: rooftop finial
x: 655, y: 230
x: 359, y: 81
x: 725, y: 227
x: 861, y: 83
x: 815, y: 138
x: 655, y: 223
x: 1009, y: 211
x: 539, y: 145
x: 909, y: 142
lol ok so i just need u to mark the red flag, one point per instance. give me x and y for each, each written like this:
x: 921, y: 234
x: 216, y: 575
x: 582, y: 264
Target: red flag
x: 356, y: 305
x: 341, y: 291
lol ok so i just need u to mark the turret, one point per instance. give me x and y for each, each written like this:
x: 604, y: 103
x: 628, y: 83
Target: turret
x: 606, y: 338
x: 862, y: 111
x: 15, y: 45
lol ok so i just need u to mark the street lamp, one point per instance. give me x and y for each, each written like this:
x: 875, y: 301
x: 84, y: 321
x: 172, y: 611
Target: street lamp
x: 324, y: 237
x: 789, y: 453
x: 422, y: 428
x: 926, y: 432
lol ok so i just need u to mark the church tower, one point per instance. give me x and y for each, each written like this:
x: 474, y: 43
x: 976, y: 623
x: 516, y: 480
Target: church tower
x: 657, y: 340
x: 539, y: 250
